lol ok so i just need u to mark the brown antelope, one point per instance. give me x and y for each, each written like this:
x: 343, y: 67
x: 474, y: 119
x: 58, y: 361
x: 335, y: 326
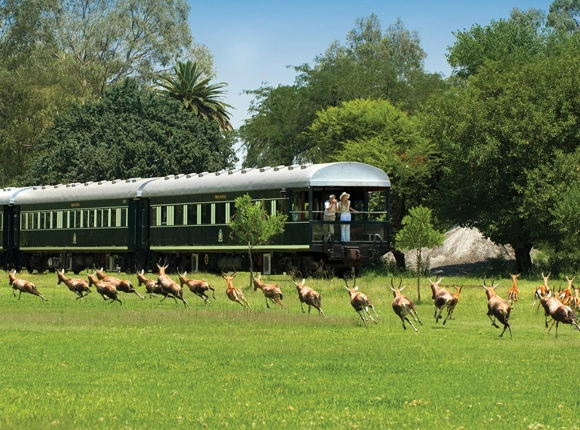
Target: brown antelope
x: 271, y: 291
x: 497, y: 308
x: 197, y: 287
x: 575, y: 301
x: 171, y: 287
x: 442, y: 298
x: 309, y: 296
x: 78, y: 286
x: 233, y: 293
x: 22, y: 286
x: 513, y: 292
x: 120, y: 284
x: 151, y: 286
x: 565, y: 296
x: 106, y: 289
x: 542, y: 291
x: 360, y: 302
x: 455, y: 300
x: 403, y: 307
x: 559, y: 313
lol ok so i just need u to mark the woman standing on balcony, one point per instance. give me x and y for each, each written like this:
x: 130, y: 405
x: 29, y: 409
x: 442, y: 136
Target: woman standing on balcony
x: 344, y: 209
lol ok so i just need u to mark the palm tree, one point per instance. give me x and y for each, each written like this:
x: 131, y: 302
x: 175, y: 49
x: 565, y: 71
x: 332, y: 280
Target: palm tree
x: 196, y: 94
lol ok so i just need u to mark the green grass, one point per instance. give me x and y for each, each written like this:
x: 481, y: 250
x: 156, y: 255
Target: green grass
x: 70, y: 363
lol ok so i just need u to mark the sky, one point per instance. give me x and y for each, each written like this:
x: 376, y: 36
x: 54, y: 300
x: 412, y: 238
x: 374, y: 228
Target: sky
x: 254, y: 41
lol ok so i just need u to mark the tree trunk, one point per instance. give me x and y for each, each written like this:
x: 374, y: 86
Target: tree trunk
x: 399, y: 259
x: 523, y: 258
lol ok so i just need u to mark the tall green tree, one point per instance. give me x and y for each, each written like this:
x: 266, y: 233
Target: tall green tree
x: 252, y: 225
x: 503, y: 131
x: 109, y: 40
x: 192, y: 88
x: 418, y: 233
x: 373, y: 64
x: 131, y: 132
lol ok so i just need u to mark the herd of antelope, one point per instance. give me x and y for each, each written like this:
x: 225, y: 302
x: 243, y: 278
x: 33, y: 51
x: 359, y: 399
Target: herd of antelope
x: 559, y: 307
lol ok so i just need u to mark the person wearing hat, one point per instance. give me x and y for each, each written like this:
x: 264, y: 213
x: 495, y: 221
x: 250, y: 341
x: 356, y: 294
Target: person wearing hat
x: 330, y: 207
x: 344, y: 209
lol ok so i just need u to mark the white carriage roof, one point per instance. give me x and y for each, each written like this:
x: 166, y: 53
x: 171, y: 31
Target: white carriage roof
x: 344, y: 174
x: 268, y: 178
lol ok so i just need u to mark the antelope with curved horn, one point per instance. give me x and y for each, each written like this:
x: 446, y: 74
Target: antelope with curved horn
x: 404, y: 306
x: 106, y: 289
x: 497, y: 308
x: 359, y: 301
x: 442, y: 298
x: 271, y: 291
x: 198, y: 287
x: 122, y: 285
x: 542, y: 291
x: 309, y: 296
x: 233, y: 293
x: 565, y: 296
x: 513, y: 292
x: 22, y: 286
x: 171, y: 287
x: 151, y: 286
x: 559, y: 313
x: 78, y: 286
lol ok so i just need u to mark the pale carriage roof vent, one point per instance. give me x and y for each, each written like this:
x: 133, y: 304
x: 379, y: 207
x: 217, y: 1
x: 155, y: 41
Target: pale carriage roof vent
x: 263, y: 169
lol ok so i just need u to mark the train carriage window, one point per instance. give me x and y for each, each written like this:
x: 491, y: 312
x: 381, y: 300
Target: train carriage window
x: 59, y: 219
x: 220, y: 213
x: 106, y: 213
x: 154, y: 216
x: 123, y: 217
x: 98, y: 217
x: 118, y: 217
x: 51, y: 220
x: 163, y: 215
x: 299, y: 206
x: 205, y: 213
x: 192, y: 214
x: 170, y: 215
x: 178, y: 215
x: 282, y: 206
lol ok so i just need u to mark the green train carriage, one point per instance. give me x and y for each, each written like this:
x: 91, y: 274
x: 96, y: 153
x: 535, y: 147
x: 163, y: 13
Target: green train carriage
x: 183, y: 220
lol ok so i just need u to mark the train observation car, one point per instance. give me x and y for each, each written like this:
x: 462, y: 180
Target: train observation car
x: 183, y: 220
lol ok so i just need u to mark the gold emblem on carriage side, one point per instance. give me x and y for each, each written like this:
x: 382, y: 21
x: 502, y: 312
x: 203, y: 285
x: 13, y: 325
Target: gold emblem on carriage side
x: 74, y: 238
x: 220, y: 236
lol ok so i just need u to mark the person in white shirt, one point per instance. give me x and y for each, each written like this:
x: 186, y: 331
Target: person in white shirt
x: 330, y: 207
x: 344, y: 209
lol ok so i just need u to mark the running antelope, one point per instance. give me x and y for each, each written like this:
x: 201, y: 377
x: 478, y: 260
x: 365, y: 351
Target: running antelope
x: 151, y: 286
x: 360, y: 302
x: 197, y: 286
x: 559, y: 313
x: 120, y: 284
x: 271, y: 291
x: 513, y: 292
x: 233, y: 293
x: 106, y: 289
x: 78, y: 286
x: 566, y: 295
x: 442, y: 298
x: 497, y: 308
x: 170, y: 287
x: 404, y: 306
x: 309, y: 296
x: 22, y: 286
x: 542, y: 291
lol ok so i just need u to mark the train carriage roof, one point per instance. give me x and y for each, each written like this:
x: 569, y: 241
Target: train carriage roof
x: 344, y: 174
x: 78, y: 192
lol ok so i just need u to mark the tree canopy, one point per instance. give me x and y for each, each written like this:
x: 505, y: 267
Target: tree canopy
x: 372, y: 64
x: 131, y: 132
x: 505, y: 134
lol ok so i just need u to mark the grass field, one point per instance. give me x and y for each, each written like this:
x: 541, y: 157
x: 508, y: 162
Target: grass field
x: 148, y: 364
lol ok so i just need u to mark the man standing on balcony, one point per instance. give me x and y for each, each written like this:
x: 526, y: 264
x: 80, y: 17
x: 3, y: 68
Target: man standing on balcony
x: 330, y: 207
